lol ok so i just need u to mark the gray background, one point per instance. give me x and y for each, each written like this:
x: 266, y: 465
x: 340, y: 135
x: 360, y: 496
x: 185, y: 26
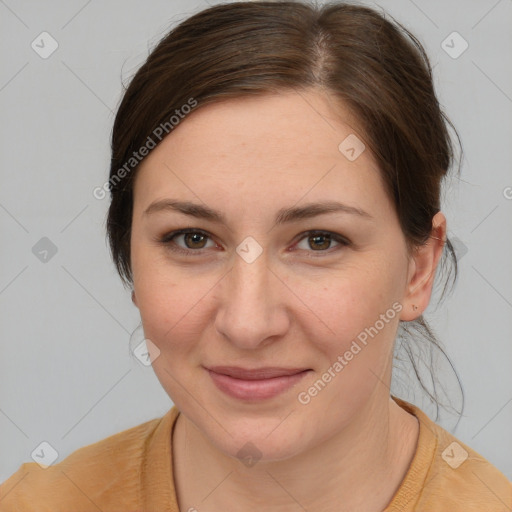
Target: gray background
x: 66, y: 373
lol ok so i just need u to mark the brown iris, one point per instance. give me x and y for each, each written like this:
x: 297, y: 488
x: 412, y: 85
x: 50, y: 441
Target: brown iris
x: 194, y: 238
x: 317, y: 240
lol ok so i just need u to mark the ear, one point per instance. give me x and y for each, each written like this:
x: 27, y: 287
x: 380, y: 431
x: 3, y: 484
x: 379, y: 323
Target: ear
x: 422, y: 270
x: 134, y: 299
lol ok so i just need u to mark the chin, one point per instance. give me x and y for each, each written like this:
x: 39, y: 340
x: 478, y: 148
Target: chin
x: 251, y: 449
x: 247, y: 437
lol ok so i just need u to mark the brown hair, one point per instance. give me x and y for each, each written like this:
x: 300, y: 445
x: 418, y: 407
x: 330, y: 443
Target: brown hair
x: 376, y: 67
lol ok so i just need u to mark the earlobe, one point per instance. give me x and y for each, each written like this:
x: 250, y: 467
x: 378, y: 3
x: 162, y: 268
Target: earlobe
x: 423, y: 269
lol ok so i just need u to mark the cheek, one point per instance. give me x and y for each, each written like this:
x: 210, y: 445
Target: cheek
x: 363, y: 311
x: 168, y: 309
x: 174, y: 305
x: 338, y: 306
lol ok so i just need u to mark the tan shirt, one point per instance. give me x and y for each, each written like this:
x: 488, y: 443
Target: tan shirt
x: 131, y: 471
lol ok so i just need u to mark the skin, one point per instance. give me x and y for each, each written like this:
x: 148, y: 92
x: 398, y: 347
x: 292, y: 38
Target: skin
x: 294, y: 306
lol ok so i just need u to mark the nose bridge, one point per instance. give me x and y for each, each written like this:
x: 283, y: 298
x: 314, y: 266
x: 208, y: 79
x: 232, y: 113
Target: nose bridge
x: 249, y: 276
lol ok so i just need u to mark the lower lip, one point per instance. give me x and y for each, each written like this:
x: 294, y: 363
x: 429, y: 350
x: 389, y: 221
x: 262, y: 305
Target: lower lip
x: 255, y: 389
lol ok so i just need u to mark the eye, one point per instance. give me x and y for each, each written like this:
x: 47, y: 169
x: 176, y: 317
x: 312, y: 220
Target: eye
x: 320, y: 241
x: 194, y: 240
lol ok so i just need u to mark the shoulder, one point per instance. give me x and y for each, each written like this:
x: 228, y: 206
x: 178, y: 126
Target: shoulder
x: 447, y: 475
x: 461, y: 476
x: 102, y: 474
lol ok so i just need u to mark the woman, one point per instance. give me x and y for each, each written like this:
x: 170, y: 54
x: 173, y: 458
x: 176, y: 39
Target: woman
x: 275, y: 184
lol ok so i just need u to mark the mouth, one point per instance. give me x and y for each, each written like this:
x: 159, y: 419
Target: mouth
x: 257, y: 383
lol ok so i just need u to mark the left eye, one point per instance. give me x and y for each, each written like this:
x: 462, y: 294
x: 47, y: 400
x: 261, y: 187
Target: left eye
x: 195, y: 241
x: 320, y: 241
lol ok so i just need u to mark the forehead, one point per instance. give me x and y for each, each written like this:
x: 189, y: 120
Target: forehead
x: 286, y: 124
x: 277, y: 147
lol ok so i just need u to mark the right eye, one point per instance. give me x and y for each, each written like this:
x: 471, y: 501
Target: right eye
x: 193, y: 240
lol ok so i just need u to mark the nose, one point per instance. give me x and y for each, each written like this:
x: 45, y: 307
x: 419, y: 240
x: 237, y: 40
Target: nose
x: 251, y: 310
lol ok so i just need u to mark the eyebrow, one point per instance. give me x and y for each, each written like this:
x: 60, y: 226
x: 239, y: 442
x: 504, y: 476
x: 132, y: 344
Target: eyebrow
x: 285, y: 215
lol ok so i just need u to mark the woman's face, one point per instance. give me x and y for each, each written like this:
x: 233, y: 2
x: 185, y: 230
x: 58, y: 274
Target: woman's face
x: 250, y: 288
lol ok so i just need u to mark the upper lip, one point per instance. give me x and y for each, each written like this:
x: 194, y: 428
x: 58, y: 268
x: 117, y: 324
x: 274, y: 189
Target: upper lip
x: 268, y: 372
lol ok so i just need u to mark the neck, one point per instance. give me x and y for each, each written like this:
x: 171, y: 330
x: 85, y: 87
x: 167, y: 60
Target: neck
x: 358, y: 469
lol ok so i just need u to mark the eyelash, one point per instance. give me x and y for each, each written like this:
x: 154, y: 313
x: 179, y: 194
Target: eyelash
x: 168, y: 241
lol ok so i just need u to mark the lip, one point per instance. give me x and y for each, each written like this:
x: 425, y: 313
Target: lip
x: 256, y: 383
